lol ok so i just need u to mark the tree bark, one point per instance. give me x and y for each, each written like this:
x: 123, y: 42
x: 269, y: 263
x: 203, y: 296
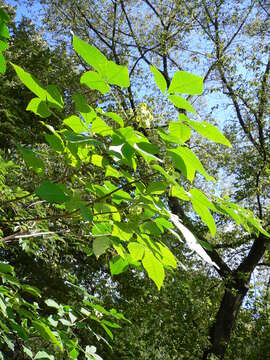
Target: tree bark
x: 236, y: 285
x: 225, y: 319
x: 235, y: 291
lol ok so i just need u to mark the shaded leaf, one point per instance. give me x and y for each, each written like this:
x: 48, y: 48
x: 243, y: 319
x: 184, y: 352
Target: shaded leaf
x: 51, y: 192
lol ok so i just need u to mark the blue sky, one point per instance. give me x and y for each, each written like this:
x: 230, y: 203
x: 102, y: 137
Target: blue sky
x: 22, y: 9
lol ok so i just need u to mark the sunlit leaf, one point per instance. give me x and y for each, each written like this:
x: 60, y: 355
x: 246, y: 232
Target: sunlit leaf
x: 136, y: 250
x: 153, y: 267
x: 30, y: 82
x: 186, y: 83
x: 89, y: 53
x: 208, y: 131
x: 76, y: 124
x: 39, y: 107
x: 159, y: 79
x: 116, y: 74
x: 95, y: 81
x: 181, y: 103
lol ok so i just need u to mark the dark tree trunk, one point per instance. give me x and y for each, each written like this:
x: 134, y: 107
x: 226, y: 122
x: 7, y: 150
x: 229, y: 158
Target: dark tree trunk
x: 225, y: 319
x: 236, y: 286
x: 235, y: 291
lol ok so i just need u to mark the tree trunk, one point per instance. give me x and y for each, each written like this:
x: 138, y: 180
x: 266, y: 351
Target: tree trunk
x: 225, y: 319
x: 236, y: 285
x: 233, y: 297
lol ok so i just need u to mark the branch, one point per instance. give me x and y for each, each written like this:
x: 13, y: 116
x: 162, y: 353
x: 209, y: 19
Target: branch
x: 97, y: 32
x: 239, y: 28
x: 155, y: 12
x: 21, y: 235
x: 255, y: 254
x: 261, y: 108
x: 133, y: 34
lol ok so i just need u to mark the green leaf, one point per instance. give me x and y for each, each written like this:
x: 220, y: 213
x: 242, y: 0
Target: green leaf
x: 39, y: 107
x: 94, y: 81
x: 110, y: 171
x: 186, y: 83
x: 18, y: 329
x: 157, y: 187
x: 54, y: 97
x: 55, y: 142
x: 76, y: 124
x: 180, y: 131
x: 89, y: 53
x: 52, y: 303
x: 52, y: 193
x: 4, y: 16
x: 150, y: 227
x: 32, y: 160
x: 43, y: 355
x: 188, y: 163
x: 3, y: 66
x: 148, y: 147
x: 97, y: 160
x: 116, y: 74
x: 136, y: 250
x: 153, y: 267
x: 31, y: 290
x: 100, y: 245
x: 47, y: 334
x: 3, y: 307
x: 145, y: 150
x: 118, y: 265
x: 100, y: 127
x: 179, y: 192
x: 81, y: 104
x: 122, y: 231
x: 103, y: 228
x: 163, y: 223
x: 159, y: 79
x: 86, y: 212
x: 86, y: 111
x: 181, y: 103
x: 3, y: 45
x: 205, y: 215
x: 6, y: 268
x: 74, y: 354
x: 209, y: 131
x: 28, y: 352
x: 115, y: 117
x: 205, y: 245
x: 199, y: 196
x: 108, y: 331
x: 4, y: 33
x: 30, y: 82
x: 168, y: 259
